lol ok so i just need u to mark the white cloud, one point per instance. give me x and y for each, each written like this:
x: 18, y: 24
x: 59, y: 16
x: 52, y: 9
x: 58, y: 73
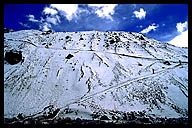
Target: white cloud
x: 140, y: 26
x: 182, y: 39
x: 51, y: 20
x: 24, y: 25
x: 104, y: 10
x: 182, y: 26
x: 150, y: 28
x: 45, y: 26
x: 32, y: 18
x: 49, y: 11
x: 68, y: 9
x: 140, y: 14
x: 58, y: 18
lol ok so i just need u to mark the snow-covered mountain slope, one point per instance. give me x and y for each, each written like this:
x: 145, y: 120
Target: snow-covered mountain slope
x: 91, y: 74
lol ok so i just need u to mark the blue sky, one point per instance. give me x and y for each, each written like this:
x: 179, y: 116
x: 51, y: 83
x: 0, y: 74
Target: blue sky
x: 164, y: 22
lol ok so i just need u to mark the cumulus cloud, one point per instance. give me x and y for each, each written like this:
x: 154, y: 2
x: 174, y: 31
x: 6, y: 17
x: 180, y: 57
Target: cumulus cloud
x: 31, y: 18
x: 51, y: 20
x: 182, y: 26
x: 45, y: 26
x: 104, y: 10
x: 182, y: 39
x: 69, y: 10
x: 48, y: 10
x: 150, y: 28
x: 140, y: 14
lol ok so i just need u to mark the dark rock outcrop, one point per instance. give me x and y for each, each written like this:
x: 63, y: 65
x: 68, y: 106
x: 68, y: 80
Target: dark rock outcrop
x: 13, y: 57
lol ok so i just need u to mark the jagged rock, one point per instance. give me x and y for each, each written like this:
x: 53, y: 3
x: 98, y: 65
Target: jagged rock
x: 13, y: 57
x: 69, y: 56
x: 20, y: 117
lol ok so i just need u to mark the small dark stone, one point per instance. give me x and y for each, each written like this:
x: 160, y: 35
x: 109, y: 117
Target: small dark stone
x: 48, y: 32
x: 166, y: 62
x: 112, y: 41
x: 141, y: 38
x: 69, y: 56
x: 67, y: 37
x: 81, y: 38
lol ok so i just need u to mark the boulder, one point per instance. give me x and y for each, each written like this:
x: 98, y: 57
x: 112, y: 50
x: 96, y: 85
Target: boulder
x: 13, y: 57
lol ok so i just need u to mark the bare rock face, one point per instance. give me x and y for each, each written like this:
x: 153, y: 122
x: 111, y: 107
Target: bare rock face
x: 13, y: 57
x: 92, y: 75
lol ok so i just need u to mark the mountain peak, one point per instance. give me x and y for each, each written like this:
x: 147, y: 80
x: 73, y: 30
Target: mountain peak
x: 93, y: 75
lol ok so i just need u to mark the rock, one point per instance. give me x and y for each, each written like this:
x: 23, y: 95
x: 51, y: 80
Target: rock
x: 132, y: 116
x: 112, y: 41
x: 20, y: 117
x: 96, y: 115
x: 141, y: 38
x: 78, y: 120
x: 104, y: 118
x: 67, y: 37
x: 166, y: 62
x: 124, y: 116
x: 81, y: 38
x: 113, y: 118
x: 13, y: 57
x: 69, y: 56
x: 145, y: 120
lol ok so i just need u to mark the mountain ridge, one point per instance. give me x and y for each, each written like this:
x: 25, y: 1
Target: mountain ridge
x: 94, y: 72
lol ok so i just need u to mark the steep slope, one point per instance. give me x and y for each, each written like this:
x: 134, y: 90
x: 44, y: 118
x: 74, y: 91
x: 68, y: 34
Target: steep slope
x: 91, y: 74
